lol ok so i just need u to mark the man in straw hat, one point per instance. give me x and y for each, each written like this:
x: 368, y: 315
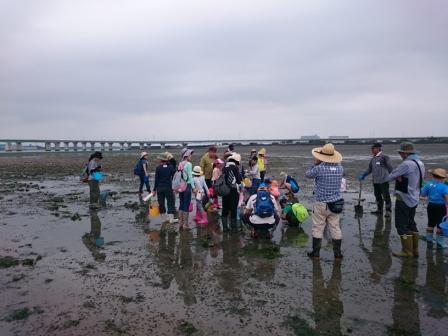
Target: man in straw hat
x: 408, y: 178
x: 206, y: 164
x: 327, y: 174
x: 164, y: 189
x: 437, y: 192
x: 380, y: 168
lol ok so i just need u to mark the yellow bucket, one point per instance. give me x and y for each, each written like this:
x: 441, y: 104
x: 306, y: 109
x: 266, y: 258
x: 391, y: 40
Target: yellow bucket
x: 154, y: 209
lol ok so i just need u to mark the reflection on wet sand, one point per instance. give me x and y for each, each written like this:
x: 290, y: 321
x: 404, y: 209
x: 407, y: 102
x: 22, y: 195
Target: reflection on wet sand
x: 328, y: 307
x: 184, y: 271
x: 380, y: 257
x: 93, y: 240
x: 435, y: 293
x: 405, y: 312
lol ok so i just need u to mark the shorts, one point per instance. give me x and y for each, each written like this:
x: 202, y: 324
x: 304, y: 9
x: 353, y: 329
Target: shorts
x: 436, y: 212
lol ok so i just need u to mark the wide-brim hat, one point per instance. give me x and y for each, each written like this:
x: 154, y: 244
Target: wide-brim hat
x: 438, y: 172
x: 186, y: 152
x: 262, y: 151
x: 218, y: 161
x: 162, y: 157
x: 327, y: 153
x: 197, y: 171
x: 235, y: 156
x: 142, y: 154
x: 407, y: 147
x: 168, y: 155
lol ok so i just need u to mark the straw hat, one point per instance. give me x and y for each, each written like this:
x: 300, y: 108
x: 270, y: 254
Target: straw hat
x: 262, y: 152
x: 197, y: 171
x: 327, y: 153
x: 169, y: 156
x: 235, y: 156
x: 162, y: 157
x: 142, y: 154
x: 438, y: 172
x: 407, y: 147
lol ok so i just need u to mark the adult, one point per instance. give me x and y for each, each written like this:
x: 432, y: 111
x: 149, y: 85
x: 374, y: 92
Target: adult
x: 262, y: 162
x: 171, y: 160
x: 380, y: 168
x: 185, y: 196
x: 327, y: 174
x: 206, y: 164
x: 164, y: 189
x: 230, y: 202
x: 253, y: 173
x: 94, y: 166
x: 256, y: 221
x: 408, y: 178
x: 141, y: 170
x: 229, y: 152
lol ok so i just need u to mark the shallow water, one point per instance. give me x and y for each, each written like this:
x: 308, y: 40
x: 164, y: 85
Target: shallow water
x: 118, y: 271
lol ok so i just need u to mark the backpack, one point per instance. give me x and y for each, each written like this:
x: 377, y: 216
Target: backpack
x: 294, y: 185
x: 179, y: 181
x: 300, y: 212
x: 221, y: 188
x: 84, y: 177
x: 264, y: 207
x: 138, y: 168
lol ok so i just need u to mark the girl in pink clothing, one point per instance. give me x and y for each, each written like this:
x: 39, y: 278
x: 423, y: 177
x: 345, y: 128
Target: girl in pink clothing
x: 217, y: 171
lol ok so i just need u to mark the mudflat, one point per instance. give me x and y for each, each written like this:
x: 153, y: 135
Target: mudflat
x: 66, y: 270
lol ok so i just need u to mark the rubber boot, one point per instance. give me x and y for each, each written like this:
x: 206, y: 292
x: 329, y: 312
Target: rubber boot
x: 186, y: 217
x: 171, y: 219
x: 204, y: 218
x: 337, y: 249
x: 429, y: 236
x: 198, y: 216
x: 406, y: 247
x: 378, y: 211
x: 440, y: 240
x: 415, y: 237
x: 315, y: 253
x: 181, y: 219
x: 225, y: 227
x: 233, y: 225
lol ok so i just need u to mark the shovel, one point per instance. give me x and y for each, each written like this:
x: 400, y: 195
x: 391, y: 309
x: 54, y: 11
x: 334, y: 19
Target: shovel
x: 358, y: 207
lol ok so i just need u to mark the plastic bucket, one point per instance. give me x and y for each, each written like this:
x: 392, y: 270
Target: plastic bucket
x: 97, y: 176
x: 444, y: 226
x: 154, y: 209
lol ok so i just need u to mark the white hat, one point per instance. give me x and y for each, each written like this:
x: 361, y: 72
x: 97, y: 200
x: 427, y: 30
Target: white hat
x: 235, y: 156
x: 197, y: 171
x: 142, y: 154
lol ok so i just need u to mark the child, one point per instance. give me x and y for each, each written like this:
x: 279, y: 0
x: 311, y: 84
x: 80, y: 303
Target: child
x: 201, y: 195
x: 293, y: 212
x: 217, y: 171
x: 437, y: 192
x: 141, y: 170
x: 289, y: 183
x: 254, y: 175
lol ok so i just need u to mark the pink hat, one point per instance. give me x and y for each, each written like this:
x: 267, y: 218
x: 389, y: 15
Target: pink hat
x: 218, y: 161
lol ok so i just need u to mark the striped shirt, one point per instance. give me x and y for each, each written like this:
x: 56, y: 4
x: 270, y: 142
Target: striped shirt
x: 327, y: 178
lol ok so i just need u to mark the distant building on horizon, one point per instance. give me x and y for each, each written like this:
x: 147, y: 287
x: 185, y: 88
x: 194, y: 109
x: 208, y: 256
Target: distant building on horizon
x: 339, y: 137
x: 310, y: 137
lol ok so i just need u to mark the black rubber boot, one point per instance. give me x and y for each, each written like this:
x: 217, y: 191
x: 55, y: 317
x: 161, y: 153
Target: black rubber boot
x: 337, y: 249
x: 225, y: 226
x: 233, y: 225
x: 315, y: 253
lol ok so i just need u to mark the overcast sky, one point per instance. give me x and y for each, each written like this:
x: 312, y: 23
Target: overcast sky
x: 182, y: 69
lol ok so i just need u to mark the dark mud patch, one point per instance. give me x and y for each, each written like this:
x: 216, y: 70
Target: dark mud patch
x: 299, y: 326
x: 23, y: 313
x: 112, y: 327
x: 6, y: 262
x: 186, y: 328
x: 265, y: 251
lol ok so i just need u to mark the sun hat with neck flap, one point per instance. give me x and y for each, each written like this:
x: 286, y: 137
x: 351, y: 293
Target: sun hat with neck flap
x: 327, y: 153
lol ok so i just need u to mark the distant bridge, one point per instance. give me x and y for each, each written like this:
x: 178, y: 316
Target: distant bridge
x: 84, y: 145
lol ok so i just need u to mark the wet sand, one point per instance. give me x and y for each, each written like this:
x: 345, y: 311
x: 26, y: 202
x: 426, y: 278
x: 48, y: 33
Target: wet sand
x: 118, y: 271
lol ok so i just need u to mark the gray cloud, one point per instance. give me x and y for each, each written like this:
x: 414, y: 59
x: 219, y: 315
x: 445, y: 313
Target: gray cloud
x: 185, y: 70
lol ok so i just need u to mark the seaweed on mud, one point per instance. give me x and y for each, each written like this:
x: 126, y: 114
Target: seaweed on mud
x: 267, y: 252
x: 8, y: 261
x: 299, y: 326
x: 132, y: 205
x: 20, y: 314
x: 75, y: 216
x: 111, y: 326
x: 186, y: 328
x: 70, y: 323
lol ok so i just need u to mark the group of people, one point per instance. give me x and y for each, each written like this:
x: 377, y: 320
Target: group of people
x: 263, y: 205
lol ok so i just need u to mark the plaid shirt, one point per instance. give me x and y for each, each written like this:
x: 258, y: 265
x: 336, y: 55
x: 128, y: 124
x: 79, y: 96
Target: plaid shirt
x: 327, y: 178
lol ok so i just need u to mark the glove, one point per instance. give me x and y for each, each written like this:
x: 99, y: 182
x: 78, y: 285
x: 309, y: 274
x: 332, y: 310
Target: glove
x: 362, y: 176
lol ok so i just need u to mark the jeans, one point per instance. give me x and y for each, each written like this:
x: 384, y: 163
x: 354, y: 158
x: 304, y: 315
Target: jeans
x: 382, y: 195
x: 168, y: 194
x: 144, y: 180
x: 404, y: 218
x: 185, y: 199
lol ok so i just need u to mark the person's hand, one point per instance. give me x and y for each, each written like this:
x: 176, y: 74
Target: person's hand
x: 362, y: 177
